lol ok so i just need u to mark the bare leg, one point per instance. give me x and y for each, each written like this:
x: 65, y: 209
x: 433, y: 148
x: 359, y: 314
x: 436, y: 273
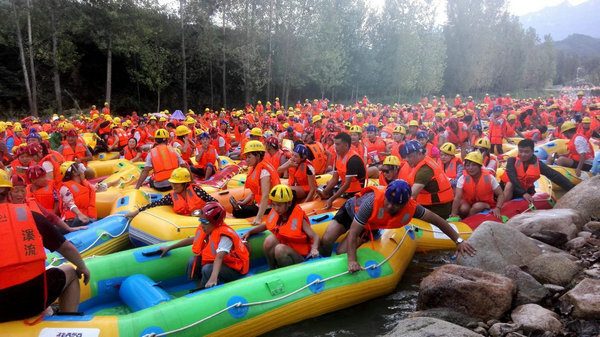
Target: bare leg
x: 564, y: 161
x: 478, y: 207
x: 209, y: 172
x: 286, y: 256
x: 300, y: 194
x: 332, y: 233
x: 69, y: 299
x: 269, y: 250
x: 508, y: 191
x: 464, y: 208
x: 342, y: 248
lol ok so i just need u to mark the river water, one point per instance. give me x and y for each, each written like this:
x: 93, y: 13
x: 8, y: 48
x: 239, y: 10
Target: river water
x: 376, y: 316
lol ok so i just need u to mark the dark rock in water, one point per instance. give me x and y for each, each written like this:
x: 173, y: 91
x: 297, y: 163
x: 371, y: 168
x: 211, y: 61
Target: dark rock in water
x: 583, y: 198
x: 501, y: 329
x: 556, y: 239
x: 448, y: 315
x: 499, y: 245
x: 528, y: 289
x: 565, y: 221
x: 533, y: 317
x: 553, y: 268
x: 471, y: 291
x: 585, y: 299
x: 428, y: 327
x: 584, y: 328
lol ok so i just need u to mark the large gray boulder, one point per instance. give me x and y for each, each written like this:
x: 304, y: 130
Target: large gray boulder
x: 533, y: 317
x: 499, y: 245
x: 471, y: 291
x: 428, y: 327
x: 446, y: 314
x: 528, y: 289
x: 583, y: 198
x: 553, y: 268
x: 585, y: 299
x: 565, y: 221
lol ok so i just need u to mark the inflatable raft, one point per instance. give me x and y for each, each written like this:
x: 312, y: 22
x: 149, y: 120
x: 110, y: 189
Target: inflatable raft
x: 130, y: 294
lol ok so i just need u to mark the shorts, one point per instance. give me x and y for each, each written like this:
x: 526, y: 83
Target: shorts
x: 26, y: 300
x: 585, y: 167
x: 195, y: 264
x: 343, y: 217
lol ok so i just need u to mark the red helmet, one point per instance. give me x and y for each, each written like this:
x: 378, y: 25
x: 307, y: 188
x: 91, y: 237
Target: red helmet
x: 33, y: 149
x: 72, y: 133
x: 35, y: 171
x: 17, y: 180
x: 18, y: 150
x: 213, y: 130
x: 273, y: 141
x: 309, y: 130
x: 213, y: 212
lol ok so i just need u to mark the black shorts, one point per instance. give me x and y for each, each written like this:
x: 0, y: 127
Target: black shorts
x: 585, y: 167
x: 343, y: 218
x: 26, y: 300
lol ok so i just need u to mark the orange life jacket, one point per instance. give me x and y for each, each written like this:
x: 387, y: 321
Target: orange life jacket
x: 143, y: 136
x: 208, y: 157
x: 480, y: 191
x: 21, y: 247
x: 340, y: 166
x: 497, y: 131
x: 320, y: 161
x: 459, y: 138
x: 451, y: 168
x: 205, y: 246
x: 380, y: 219
x: 298, y: 175
x: 274, y: 160
x: 526, y: 178
x: 253, y: 179
x: 123, y: 138
x: 290, y: 233
x: 445, y: 193
x: 84, y: 197
x: 573, y: 151
x: 187, y: 154
x: 44, y: 195
x: 129, y: 153
x: 578, y: 106
x: 55, y: 161
x: 164, y: 161
x: 70, y: 154
x: 186, y: 205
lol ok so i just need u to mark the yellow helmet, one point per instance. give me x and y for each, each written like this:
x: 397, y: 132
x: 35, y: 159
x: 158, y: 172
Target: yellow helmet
x: 44, y: 135
x: 17, y: 128
x: 117, y: 120
x: 348, y: 124
x: 94, y: 116
x: 483, y: 142
x: 580, y: 93
x: 2, y: 128
x: 316, y: 118
x: 391, y: 160
x: 360, y: 115
x: 182, y: 130
x: 400, y: 129
x: 355, y: 129
x: 162, y: 119
x: 413, y: 123
x: 64, y: 167
x: 586, y: 120
x: 256, y: 132
x: 180, y: 175
x: 190, y: 120
x: 568, y: 125
x: 5, y: 179
x: 460, y: 114
x: 153, y: 118
x: 475, y: 157
x: 161, y: 134
x: 254, y: 146
x: 448, y: 148
x: 512, y: 117
x: 281, y: 193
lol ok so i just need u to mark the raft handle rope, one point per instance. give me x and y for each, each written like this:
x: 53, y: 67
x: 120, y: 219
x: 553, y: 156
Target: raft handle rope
x: 56, y: 258
x: 316, y: 281
x: 168, y: 221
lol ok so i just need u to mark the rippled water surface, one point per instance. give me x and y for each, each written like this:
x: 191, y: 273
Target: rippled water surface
x: 374, y: 317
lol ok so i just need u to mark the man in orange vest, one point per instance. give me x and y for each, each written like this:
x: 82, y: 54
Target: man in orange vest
x: 350, y: 170
x: 381, y: 208
x: 581, y: 153
x: 162, y: 159
x: 475, y: 190
x: 522, y: 172
x: 220, y: 254
x: 74, y: 149
x: 27, y: 288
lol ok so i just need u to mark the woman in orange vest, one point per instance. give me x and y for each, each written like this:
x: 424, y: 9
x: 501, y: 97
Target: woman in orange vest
x: 301, y: 174
x: 21, y: 162
x: 131, y: 152
x: 184, y: 143
x: 390, y: 170
x: 260, y: 179
x: 275, y: 156
x: 185, y: 197
x: 220, y: 254
x: 42, y: 189
x: 453, y: 166
x: 581, y: 153
x: 206, y: 157
x: 475, y: 191
x: 293, y: 239
x: 490, y: 161
x: 77, y: 195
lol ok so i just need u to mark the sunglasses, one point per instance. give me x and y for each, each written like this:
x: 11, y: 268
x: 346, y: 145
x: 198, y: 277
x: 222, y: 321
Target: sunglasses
x: 204, y: 222
x: 386, y: 171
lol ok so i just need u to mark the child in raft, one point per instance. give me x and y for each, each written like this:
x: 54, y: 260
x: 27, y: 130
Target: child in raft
x: 292, y: 238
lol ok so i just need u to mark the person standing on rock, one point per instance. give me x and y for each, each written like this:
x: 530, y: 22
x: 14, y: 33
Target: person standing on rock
x: 523, y: 171
x: 376, y: 208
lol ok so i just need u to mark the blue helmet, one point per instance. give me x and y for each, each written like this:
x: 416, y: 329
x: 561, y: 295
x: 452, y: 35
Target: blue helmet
x: 410, y: 147
x: 422, y: 134
x: 398, y: 192
x: 498, y: 108
x: 290, y: 129
x: 477, y: 127
x: 204, y: 135
x: 301, y: 149
x: 372, y: 128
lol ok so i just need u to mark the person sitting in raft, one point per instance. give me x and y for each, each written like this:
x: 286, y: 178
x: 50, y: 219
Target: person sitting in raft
x: 453, y: 166
x: 490, y: 161
x: 78, y: 196
x: 523, y: 171
x: 206, y: 157
x: 390, y: 170
x: 292, y: 237
x: 185, y: 196
x: 350, y: 169
x: 381, y: 208
x: 27, y: 288
x: 476, y: 189
x: 430, y: 185
x: 260, y: 179
x: 301, y: 174
x: 581, y: 153
x: 220, y: 254
x: 74, y: 148
x: 163, y: 159
x: 131, y: 152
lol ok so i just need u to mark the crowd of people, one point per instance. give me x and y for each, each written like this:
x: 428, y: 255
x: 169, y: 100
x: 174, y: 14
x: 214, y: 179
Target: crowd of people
x: 412, y: 150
